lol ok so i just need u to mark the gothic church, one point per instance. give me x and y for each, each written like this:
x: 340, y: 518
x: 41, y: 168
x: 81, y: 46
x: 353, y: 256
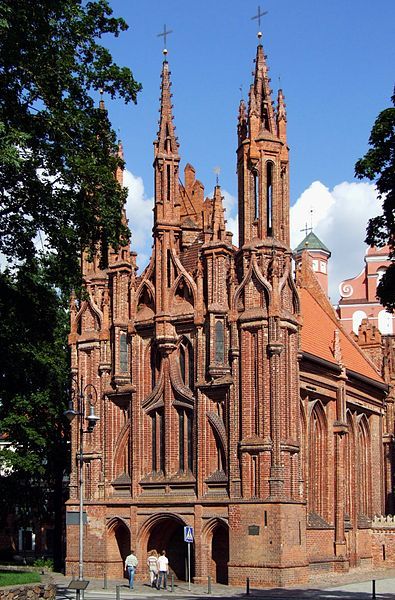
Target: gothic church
x: 230, y: 397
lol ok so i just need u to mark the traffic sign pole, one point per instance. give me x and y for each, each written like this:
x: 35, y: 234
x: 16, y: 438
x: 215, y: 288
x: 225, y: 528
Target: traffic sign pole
x: 189, y: 566
x: 188, y: 538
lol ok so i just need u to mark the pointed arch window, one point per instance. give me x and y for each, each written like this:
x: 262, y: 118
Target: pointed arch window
x: 219, y: 342
x: 269, y: 198
x: 155, y: 366
x: 158, y: 441
x: 123, y: 352
x: 255, y: 187
x: 168, y: 181
x: 187, y: 367
x: 185, y: 441
x: 317, y: 460
x: 363, y: 469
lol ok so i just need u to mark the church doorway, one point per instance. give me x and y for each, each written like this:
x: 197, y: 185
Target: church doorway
x: 220, y: 552
x: 118, y: 547
x: 168, y: 534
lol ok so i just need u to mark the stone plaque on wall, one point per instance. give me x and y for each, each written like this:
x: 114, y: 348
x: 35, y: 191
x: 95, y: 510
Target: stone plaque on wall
x: 253, y: 530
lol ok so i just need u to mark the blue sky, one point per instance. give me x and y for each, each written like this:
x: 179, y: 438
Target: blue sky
x: 335, y: 61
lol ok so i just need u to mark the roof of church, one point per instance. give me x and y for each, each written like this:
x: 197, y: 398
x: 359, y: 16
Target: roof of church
x: 318, y: 334
x: 311, y: 242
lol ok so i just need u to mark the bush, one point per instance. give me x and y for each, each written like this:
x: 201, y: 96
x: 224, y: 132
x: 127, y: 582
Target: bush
x: 44, y: 563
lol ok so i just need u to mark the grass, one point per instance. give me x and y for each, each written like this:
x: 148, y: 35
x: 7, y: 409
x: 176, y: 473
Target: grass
x: 17, y: 578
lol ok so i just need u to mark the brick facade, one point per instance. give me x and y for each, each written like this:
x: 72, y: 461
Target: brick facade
x: 218, y: 408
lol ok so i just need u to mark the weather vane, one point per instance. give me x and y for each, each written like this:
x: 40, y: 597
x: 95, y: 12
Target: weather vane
x: 164, y: 34
x: 217, y: 171
x: 259, y: 16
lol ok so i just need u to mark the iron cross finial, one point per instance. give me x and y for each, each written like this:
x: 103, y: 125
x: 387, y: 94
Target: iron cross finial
x: 259, y: 16
x: 164, y: 34
x: 217, y: 171
x: 307, y: 229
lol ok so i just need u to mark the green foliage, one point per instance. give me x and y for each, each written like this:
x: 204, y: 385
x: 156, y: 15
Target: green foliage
x: 378, y: 165
x: 44, y: 563
x: 57, y: 150
x: 33, y: 376
x: 17, y: 578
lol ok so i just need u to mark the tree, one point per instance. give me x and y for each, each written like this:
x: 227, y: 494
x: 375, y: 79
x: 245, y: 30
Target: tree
x: 58, y: 158
x: 57, y: 150
x: 378, y: 165
x: 33, y: 396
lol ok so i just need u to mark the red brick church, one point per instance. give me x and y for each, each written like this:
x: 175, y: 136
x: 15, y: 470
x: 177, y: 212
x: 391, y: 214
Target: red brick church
x: 230, y: 397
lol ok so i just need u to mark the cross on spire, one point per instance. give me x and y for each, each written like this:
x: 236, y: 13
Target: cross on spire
x: 307, y: 229
x: 164, y: 34
x: 258, y: 16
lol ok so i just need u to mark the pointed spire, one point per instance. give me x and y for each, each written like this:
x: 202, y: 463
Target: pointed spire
x: 242, y: 122
x: 218, y: 219
x: 260, y: 95
x: 166, y: 142
x: 281, y: 117
x: 120, y: 168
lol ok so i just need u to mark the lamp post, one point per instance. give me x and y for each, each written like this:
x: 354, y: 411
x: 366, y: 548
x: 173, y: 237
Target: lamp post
x: 80, y: 396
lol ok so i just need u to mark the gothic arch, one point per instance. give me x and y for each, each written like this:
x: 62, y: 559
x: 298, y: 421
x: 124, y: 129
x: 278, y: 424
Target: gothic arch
x: 215, y: 536
x: 121, y: 462
x: 164, y: 531
x: 318, y: 479
x: 148, y: 306
x: 89, y: 305
x: 363, y: 463
x: 186, y: 275
x: 177, y: 299
x: 252, y: 270
x: 349, y: 466
x: 303, y: 447
x: 118, y: 545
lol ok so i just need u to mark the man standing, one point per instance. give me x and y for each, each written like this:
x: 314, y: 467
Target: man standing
x: 163, y: 568
x: 131, y: 563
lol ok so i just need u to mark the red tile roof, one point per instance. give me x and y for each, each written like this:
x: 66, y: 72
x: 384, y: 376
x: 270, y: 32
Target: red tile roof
x: 318, y: 333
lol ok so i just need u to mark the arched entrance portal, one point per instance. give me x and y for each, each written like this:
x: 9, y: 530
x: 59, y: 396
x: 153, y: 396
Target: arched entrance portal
x: 220, y: 552
x: 168, y: 534
x: 118, y: 547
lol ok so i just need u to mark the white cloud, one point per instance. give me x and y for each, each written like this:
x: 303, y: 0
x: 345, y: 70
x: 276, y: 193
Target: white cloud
x: 231, y: 216
x: 139, y: 212
x: 339, y: 219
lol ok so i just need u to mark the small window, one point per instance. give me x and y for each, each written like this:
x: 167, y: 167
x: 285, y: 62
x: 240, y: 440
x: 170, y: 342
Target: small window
x: 123, y: 353
x: 219, y: 342
x: 322, y: 266
x: 315, y: 265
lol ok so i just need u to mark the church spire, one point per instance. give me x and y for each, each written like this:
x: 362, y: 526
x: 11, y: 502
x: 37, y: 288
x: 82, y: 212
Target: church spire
x: 262, y: 162
x: 166, y: 142
x: 166, y: 159
x: 260, y: 106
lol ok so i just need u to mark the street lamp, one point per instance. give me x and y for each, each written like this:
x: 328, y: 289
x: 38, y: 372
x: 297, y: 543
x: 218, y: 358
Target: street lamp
x: 80, y: 396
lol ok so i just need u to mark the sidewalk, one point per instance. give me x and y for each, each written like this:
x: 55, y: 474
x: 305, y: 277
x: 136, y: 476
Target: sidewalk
x: 350, y: 586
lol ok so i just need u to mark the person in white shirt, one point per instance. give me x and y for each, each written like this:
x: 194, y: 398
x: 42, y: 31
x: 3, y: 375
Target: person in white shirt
x: 152, y: 562
x: 131, y: 563
x: 163, y: 568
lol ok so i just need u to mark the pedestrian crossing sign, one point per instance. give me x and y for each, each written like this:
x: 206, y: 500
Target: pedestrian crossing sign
x: 188, y: 534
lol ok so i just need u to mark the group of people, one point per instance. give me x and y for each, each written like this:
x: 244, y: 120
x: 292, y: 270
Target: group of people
x: 158, y: 567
